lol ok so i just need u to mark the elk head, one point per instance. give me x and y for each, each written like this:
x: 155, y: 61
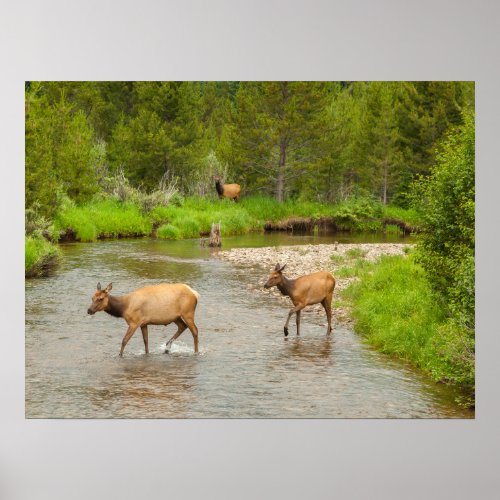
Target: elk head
x: 275, y: 278
x: 100, y: 299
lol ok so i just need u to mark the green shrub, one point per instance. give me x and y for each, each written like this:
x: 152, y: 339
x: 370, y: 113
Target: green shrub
x: 354, y: 209
x: 446, y: 247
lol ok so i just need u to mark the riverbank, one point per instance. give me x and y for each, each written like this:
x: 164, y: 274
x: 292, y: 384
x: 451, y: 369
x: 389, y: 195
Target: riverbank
x: 40, y: 257
x: 192, y: 217
x: 384, y: 295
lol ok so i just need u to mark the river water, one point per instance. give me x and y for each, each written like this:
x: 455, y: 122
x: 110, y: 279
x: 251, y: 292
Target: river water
x: 246, y: 368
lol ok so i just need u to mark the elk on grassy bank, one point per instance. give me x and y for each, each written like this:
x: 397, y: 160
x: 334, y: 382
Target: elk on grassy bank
x: 231, y: 191
x: 307, y: 290
x: 151, y: 305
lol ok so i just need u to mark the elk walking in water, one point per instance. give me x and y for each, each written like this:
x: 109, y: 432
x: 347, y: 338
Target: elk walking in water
x: 231, y: 191
x: 151, y: 305
x: 307, y: 290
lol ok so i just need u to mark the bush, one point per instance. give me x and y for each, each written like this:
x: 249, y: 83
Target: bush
x: 446, y: 247
x: 35, y: 224
x: 358, y: 208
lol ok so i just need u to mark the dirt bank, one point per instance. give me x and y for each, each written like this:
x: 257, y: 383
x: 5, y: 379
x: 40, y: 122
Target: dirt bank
x: 305, y: 259
x: 291, y: 224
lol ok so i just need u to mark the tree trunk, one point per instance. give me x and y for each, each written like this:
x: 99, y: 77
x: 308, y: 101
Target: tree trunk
x: 385, y: 183
x: 280, y: 180
x: 215, y: 239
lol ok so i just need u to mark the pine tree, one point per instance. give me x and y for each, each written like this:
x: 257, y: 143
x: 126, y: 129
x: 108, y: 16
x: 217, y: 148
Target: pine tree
x: 383, y: 134
x: 277, y: 128
x: 59, y: 152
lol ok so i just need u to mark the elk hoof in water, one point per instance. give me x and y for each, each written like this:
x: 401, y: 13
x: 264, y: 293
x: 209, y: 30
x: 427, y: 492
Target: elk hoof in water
x: 286, y: 331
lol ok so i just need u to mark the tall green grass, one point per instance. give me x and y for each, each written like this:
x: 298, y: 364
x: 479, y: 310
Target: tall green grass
x: 192, y: 217
x: 40, y: 257
x: 108, y: 219
x: 266, y: 209
x: 408, y: 215
x: 394, y: 307
x: 196, y: 216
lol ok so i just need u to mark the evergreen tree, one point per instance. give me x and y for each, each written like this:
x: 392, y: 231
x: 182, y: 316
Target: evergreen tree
x: 59, y: 152
x: 277, y: 131
x: 313, y: 140
x: 142, y: 148
x: 383, y: 136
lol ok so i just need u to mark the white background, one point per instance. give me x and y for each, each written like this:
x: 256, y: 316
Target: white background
x: 251, y: 40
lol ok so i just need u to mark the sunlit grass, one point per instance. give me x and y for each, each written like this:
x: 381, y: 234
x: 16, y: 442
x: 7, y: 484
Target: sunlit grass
x: 40, y: 256
x: 408, y: 215
x: 396, y: 310
x: 103, y: 219
x: 193, y: 216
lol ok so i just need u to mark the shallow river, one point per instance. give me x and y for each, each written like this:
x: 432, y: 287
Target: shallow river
x: 246, y: 368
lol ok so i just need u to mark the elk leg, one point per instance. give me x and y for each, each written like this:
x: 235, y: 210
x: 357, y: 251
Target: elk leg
x: 327, y: 304
x: 181, y: 326
x: 144, y: 330
x: 297, y: 321
x: 128, y: 335
x: 194, y: 330
x: 292, y: 310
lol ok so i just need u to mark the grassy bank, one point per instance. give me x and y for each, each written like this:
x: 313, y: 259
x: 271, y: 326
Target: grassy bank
x: 394, y: 307
x: 192, y: 217
x: 102, y: 219
x: 40, y: 257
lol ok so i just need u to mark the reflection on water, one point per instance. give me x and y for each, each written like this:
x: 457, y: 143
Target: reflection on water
x: 246, y: 368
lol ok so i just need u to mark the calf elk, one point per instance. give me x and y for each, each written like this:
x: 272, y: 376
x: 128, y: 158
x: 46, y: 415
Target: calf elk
x: 304, y: 291
x: 151, y: 305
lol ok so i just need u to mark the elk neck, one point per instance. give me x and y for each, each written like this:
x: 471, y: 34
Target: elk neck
x: 116, y: 306
x: 286, y: 286
x: 219, y: 187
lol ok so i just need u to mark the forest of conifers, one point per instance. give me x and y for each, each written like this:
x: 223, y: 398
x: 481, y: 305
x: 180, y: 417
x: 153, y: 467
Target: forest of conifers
x: 321, y: 141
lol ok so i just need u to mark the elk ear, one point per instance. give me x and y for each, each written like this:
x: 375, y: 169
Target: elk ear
x: 108, y: 288
x: 99, y: 285
x: 277, y: 267
x: 282, y: 268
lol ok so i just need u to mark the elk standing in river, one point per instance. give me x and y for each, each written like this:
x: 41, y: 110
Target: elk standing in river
x: 151, y: 305
x: 231, y: 191
x: 311, y: 289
